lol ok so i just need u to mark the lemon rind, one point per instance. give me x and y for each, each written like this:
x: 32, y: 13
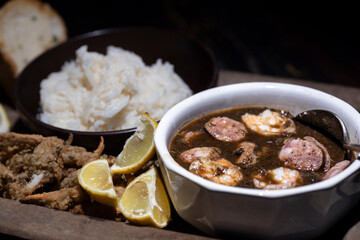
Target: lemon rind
x: 107, y: 196
x: 147, y: 218
x: 115, y: 169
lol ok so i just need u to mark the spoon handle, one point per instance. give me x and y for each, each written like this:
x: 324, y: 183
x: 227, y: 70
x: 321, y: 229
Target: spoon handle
x: 352, y: 146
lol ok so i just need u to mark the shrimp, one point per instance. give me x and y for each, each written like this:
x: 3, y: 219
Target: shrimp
x: 192, y: 154
x: 219, y: 171
x: 226, y: 129
x: 283, y: 178
x: 189, y: 136
x: 246, y: 154
x: 269, y: 123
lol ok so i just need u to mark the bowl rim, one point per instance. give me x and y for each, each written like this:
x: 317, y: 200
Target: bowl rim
x: 27, y: 116
x: 171, y: 165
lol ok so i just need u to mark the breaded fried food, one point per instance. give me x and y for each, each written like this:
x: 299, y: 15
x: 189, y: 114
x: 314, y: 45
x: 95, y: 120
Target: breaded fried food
x: 32, y: 164
x: 33, y: 170
x: 62, y: 199
x: 13, y: 143
x: 75, y: 156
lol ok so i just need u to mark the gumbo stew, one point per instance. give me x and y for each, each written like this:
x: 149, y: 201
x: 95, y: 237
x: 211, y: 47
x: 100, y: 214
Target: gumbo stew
x: 256, y: 148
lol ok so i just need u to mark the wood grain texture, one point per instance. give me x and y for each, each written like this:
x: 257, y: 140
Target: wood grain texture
x: 36, y: 222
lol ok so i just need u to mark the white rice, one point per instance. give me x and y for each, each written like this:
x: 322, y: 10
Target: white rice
x: 97, y: 92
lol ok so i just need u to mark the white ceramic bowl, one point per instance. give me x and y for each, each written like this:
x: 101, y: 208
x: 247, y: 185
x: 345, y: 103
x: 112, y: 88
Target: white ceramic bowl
x: 219, y: 210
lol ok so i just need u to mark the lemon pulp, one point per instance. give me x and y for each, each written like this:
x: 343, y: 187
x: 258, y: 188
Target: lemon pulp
x: 96, y: 180
x: 145, y: 201
x: 138, y: 149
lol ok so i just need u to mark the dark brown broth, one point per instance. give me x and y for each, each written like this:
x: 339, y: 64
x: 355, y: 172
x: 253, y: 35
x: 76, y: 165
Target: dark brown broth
x: 273, y: 143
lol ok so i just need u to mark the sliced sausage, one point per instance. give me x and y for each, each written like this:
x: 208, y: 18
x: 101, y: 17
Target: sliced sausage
x: 327, y: 158
x: 302, y: 154
x: 336, y: 169
x: 226, y: 129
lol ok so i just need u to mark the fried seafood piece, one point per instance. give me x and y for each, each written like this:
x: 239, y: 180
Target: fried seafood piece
x: 34, y: 170
x: 5, y: 173
x: 269, y: 123
x: 5, y: 176
x: 226, y: 129
x: 192, y: 154
x: 280, y: 178
x: 79, y: 156
x: 43, y: 157
x: 71, y: 179
x: 22, y: 185
x: 12, y: 143
x: 40, y: 163
x: 63, y: 199
x: 220, y: 171
x: 69, y: 196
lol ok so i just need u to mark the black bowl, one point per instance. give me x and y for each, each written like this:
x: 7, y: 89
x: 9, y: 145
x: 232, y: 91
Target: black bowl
x: 192, y: 61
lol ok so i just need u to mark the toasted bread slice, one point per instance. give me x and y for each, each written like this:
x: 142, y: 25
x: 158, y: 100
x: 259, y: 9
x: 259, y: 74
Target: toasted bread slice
x: 27, y: 29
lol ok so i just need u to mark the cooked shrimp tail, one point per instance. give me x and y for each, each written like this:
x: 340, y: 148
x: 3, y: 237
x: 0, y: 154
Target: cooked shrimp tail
x: 39, y: 197
x: 99, y: 150
x: 220, y: 170
x: 269, y: 123
x: 69, y: 140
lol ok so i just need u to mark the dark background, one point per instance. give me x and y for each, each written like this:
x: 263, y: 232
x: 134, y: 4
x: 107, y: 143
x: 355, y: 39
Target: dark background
x: 310, y: 40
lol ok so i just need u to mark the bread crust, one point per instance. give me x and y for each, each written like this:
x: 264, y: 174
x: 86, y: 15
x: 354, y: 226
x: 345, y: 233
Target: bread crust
x: 9, y: 14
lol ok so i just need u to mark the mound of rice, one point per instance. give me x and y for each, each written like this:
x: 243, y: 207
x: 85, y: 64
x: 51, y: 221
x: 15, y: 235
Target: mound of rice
x: 97, y: 92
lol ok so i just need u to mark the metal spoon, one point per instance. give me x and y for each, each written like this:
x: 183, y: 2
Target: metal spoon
x: 330, y: 123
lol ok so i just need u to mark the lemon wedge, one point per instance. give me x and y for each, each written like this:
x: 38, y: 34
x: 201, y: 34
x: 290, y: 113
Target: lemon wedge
x: 145, y: 201
x: 138, y: 149
x: 4, y: 120
x: 96, y: 180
